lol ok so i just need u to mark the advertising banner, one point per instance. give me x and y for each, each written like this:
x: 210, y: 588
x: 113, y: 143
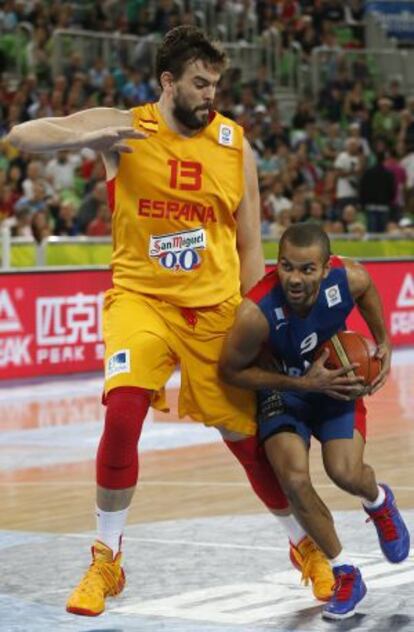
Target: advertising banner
x: 396, y: 17
x: 51, y: 322
x: 395, y: 283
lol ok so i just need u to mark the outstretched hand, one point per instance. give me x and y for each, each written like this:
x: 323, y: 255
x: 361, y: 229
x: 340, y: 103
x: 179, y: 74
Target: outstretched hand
x: 340, y: 383
x: 111, y: 139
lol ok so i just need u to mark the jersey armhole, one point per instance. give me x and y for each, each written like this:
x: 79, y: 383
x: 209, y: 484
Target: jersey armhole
x: 263, y: 287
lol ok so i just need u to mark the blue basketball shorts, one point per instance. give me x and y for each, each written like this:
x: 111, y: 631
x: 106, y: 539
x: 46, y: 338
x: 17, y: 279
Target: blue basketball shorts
x: 308, y: 414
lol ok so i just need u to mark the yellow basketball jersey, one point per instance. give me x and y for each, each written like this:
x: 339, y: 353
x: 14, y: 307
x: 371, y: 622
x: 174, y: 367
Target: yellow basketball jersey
x: 174, y: 201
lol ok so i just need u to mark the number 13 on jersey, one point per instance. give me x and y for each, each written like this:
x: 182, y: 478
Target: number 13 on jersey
x: 185, y: 175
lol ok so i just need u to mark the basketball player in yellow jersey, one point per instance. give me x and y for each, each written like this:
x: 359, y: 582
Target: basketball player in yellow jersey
x: 183, y: 189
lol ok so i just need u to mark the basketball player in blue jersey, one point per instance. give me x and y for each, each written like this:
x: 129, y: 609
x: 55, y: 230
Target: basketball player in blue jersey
x: 291, y: 312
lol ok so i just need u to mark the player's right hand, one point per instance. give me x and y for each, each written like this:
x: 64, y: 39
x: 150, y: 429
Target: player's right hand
x: 112, y: 139
x: 337, y: 383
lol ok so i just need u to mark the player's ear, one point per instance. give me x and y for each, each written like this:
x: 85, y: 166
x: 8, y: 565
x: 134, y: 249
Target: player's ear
x: 166, y: 80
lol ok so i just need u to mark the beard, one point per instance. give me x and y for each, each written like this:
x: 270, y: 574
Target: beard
x: 193, y: 118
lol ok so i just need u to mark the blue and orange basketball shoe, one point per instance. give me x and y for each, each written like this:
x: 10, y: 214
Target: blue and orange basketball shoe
x: 393, y: 534
x: 349, y: 590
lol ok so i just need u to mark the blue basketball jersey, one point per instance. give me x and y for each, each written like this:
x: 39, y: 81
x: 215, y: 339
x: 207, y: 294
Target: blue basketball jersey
x: 292, y: 339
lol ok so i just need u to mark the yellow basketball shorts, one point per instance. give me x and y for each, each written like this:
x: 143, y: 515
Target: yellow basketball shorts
x: 145, y: 338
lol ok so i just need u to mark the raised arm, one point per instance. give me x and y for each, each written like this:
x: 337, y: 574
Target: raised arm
x: 102, y: 129
x: 369, y: 304
x: 249, y: 244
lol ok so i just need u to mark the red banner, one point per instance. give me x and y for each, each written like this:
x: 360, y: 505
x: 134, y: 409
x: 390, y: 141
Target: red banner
x: 395, y: 283
x: 51, y: 322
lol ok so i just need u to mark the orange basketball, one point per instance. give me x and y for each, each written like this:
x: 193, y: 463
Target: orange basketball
x: 347, y: 347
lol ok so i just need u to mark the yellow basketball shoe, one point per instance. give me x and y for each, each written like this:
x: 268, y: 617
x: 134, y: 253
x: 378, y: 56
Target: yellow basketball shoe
x: 105, y: 577
x: 310, y: 560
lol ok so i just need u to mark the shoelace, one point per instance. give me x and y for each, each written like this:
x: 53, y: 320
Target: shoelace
x: 383, y: 519
x: 88, y: 584
x: 343, y: 586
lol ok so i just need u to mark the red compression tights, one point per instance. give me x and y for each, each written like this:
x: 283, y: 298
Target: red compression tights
x: 117, y: 458
x: 252, y: 457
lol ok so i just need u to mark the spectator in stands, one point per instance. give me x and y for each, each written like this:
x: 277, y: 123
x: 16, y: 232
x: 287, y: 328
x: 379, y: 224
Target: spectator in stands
x: 330, y: 103
x: 35, y: 172
x: 298, y: 212
x: 407, y: 124
x: 355, y: 132
x: 349, y: 165
x: 101, y: 225
x: 400, y: 176
x: 316, y: 213
x: 268, y: 162
x: 331, y: 144
x: 66, y: 224
x: 406, y: 226
x: 350, y: 216
x: 8, y: 199
x: 261, y: 86
x: 8, y: 16
x: 282, y: 221
x: 277, y: 201
x: 354, y: 100
x: 137, y: 90
x: 357, y: 230
x: 166, y: 16
x: 395, y: 95
x: 385, y: 123
x: 98, y: 74
x: 21, y: 223
x: 40, y: 225
x: 304, y: 114
x: 75, y: 67
x: 308, y: 38
x: 39, y: 199
x: 41, y: 105
x: 377, y: 194
x: 333, y: 11
x: 61, y: 170
x: 89, y: 207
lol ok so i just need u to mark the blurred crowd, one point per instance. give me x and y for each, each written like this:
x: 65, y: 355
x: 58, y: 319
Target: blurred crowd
x: 345, y: 159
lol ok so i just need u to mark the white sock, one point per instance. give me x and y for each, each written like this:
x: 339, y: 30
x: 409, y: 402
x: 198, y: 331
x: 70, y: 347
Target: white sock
x: 110, y: 526
x: 377, y: 502
x: 340, y: 560
x: 292, y: 527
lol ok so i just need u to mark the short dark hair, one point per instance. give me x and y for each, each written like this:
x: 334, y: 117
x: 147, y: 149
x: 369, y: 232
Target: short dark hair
x: 184, y: 44
x: 305, y: 234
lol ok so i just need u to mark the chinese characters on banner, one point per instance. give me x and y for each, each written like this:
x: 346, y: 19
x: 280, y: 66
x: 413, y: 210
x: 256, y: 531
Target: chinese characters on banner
x: 51, y: 322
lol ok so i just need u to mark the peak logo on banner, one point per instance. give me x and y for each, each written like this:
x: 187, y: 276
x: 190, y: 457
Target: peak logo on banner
x: 406, y: 295
x: 9, y: 320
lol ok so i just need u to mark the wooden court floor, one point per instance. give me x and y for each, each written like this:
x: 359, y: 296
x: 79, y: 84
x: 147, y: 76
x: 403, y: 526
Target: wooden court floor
x: 183, y: 482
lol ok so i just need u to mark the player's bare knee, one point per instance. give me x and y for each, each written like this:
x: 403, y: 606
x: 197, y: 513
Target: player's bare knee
x: 345, y: 475
x: 296, y: 485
